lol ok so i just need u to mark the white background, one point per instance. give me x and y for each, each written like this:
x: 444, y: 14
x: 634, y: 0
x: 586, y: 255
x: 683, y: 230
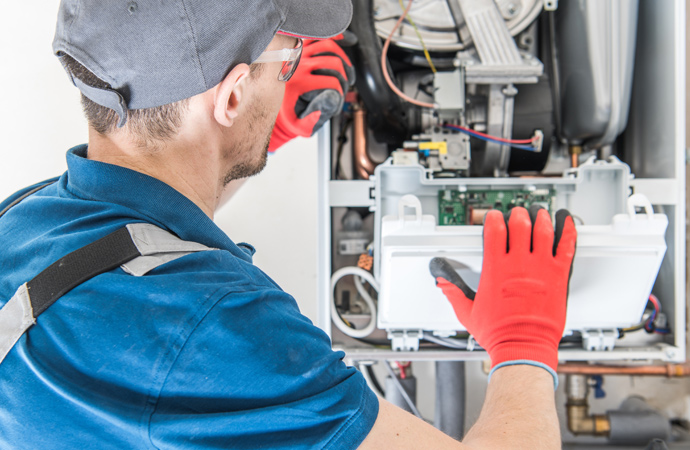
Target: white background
x: 41, y: 118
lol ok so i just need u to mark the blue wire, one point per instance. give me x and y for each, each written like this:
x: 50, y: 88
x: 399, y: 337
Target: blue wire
x: 484, y: 138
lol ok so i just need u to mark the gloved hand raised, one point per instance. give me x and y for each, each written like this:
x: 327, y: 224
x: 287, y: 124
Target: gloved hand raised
x: 315, y: 93
x: 518, y: 311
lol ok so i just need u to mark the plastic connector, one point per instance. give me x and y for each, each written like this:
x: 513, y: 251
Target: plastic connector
x: 365, y: 262
x: 597, y: 381
x: 538, y: 140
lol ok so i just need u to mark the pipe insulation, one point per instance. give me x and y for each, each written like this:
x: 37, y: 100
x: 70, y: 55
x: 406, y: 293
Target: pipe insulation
x: 637, y: 423
x: 450, y: 398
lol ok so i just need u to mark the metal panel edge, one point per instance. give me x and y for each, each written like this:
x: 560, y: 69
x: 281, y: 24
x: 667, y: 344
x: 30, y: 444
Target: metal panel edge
x: 323, y: 260
x: 680, y: 225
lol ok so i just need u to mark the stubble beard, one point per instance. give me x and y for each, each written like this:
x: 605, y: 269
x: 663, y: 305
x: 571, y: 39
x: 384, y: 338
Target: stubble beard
x: 246, y: 169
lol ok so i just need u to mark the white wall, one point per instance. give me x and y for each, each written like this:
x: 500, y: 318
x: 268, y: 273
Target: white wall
x: 40, y: 115
x: 40, y: 119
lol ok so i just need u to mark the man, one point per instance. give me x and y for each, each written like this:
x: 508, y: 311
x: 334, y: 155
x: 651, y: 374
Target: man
x: 205, y: 351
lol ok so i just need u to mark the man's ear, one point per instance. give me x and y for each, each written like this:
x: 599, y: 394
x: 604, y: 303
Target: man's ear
x: 229, y: 95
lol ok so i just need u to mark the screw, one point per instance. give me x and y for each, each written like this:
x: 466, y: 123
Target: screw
x: 509, y: 91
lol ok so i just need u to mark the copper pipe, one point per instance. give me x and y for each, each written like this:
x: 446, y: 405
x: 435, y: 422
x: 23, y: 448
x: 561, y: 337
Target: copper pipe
x: 364, y: 166
x: 575, y: 152
x: 667, y: 370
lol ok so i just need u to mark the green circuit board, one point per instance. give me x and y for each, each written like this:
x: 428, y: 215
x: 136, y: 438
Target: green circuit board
x: 469, y: 207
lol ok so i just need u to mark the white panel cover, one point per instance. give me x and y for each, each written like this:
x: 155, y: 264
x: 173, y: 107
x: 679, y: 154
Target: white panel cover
x: 613, y: 273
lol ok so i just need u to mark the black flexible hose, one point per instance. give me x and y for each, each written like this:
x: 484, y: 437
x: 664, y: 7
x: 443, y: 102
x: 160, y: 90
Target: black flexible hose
x: 375, y: 381
x: 386, y: 115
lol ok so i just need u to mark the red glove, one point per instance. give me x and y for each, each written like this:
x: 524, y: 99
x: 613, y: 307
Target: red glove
x: 518, y: 311
x: 315, y: 93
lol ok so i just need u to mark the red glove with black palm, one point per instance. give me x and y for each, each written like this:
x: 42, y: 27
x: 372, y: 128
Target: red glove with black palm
x: 315, y: 93
x: 518, y: 311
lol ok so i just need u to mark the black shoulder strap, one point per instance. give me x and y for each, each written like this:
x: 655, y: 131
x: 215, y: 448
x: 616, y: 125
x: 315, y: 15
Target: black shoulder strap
x: 83, y: 264
x: 79, y: 266
x: 137, y: 248
x: 34, y: 297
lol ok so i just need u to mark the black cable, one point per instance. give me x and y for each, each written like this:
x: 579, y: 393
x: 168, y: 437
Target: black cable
x: 555, y: 73
x: 342, y: 139
x: 374, y: 380
x: 454, y: 15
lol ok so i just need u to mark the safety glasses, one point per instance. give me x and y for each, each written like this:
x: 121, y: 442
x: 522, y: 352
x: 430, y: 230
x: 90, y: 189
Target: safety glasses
x: 289, y: 56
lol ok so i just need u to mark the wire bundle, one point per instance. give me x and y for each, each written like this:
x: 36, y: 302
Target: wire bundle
x: 649, y: 325
x: 515, y: 143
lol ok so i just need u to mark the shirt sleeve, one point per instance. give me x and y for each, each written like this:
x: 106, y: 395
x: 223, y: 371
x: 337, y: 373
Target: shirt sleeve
x: 257, y: 374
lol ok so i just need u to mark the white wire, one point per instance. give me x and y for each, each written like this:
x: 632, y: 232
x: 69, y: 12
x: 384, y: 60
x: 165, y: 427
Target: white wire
x: 360, y: 289
x: 452, y: 343
x: 369, y: 278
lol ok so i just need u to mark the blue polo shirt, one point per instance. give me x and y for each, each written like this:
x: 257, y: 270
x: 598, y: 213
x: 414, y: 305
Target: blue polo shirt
x: 204, y: 352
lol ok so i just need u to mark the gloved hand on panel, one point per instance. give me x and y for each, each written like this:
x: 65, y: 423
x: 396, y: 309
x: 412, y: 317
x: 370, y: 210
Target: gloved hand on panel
x: 518, y: 311
x: 315, y: 93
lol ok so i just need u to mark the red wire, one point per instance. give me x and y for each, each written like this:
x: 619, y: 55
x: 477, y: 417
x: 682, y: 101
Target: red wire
x: 384, y: 67
x: 657, y: 309
x: 496, y: 138
x: 655, y: 302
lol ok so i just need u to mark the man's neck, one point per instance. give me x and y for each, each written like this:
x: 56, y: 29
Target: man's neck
x: 182, y: 163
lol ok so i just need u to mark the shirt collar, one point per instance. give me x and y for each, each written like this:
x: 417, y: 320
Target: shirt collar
x: 159, y: 202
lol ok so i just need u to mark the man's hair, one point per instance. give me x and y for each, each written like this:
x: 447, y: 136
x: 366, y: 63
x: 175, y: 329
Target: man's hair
x: 147, y: 126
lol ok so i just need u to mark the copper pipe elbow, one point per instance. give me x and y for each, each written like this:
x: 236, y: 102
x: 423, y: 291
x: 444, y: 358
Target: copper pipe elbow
x: 364, y: 166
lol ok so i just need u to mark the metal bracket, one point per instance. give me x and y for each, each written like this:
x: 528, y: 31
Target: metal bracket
x: 405, y: 340
x: 599, y: 340
x: 500, y: 61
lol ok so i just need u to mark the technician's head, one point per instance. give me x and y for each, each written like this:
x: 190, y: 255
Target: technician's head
x: 147, y: 67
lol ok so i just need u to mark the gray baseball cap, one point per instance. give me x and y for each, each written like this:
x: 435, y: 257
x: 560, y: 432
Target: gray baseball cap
x: 155, y: 52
